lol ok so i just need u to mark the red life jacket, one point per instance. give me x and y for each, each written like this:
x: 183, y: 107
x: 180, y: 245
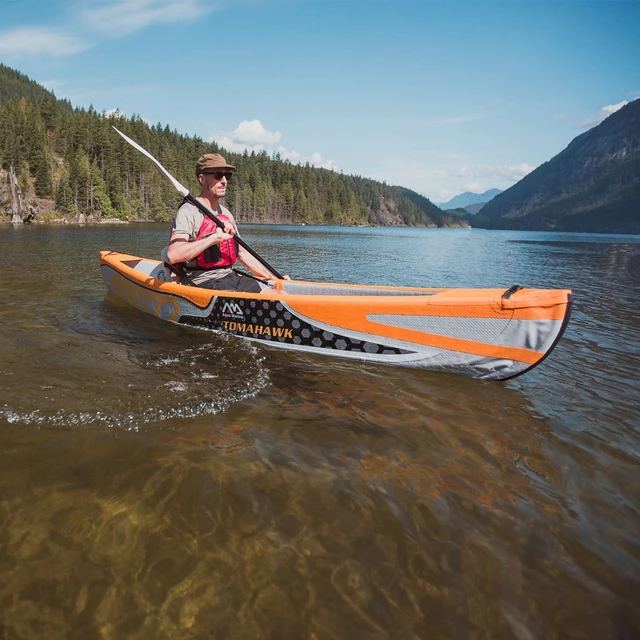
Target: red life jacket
x: 217, y: 256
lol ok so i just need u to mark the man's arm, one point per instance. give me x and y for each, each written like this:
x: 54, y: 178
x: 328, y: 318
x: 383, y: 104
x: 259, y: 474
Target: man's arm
x: 253, y: 264
x: 181, y: 250
x: 180, y: 247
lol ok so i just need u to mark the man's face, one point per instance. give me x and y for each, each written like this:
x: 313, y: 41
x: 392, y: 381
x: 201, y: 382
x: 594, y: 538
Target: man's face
x: 215, y: 183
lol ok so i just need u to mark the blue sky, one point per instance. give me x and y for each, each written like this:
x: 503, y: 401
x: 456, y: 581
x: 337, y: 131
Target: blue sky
x: 441, y: 97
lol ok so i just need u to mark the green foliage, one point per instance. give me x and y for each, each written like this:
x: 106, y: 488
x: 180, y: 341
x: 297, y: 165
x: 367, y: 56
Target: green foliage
x: 95, y: 172
x: 64, y: 196
x: 100, y: 201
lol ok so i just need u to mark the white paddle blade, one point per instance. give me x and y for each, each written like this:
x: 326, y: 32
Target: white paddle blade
x: 180, y: 188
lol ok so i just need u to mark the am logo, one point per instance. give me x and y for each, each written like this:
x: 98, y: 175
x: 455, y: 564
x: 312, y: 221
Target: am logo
x: 232, y: 310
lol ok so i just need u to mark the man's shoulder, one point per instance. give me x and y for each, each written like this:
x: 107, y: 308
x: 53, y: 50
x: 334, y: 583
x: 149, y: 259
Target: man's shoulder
x: 227, y: 213
x: 188, y: 219
x: 188, y: 207
x: 188, y: 211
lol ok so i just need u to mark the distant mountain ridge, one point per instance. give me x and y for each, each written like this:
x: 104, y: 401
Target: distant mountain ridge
x: 463, y: 200
x: 475, y: 207
x: 591, y: 186
x: 444, y: 219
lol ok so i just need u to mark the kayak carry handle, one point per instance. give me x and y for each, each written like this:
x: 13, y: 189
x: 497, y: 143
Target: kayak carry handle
x: 511, y: 290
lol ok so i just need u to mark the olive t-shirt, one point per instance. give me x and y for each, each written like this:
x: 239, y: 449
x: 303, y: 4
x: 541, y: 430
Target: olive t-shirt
x: 189, y: 220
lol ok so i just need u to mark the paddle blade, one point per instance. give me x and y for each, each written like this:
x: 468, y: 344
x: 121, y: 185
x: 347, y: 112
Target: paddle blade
x: 180, y: 188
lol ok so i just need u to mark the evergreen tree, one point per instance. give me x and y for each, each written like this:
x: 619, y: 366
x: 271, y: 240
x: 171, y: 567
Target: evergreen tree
x: 79, y: 181
x: 99, y: 200
x: 64, y: 196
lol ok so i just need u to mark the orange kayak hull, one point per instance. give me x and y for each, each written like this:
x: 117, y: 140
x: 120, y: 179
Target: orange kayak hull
x: 482, y: 333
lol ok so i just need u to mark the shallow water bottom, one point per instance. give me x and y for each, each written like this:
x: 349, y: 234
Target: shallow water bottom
x: 301, y: 513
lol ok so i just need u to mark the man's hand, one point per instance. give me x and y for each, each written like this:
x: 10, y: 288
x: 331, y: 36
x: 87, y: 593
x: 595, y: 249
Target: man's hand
x: 219, y: 235
x: 228, y: 227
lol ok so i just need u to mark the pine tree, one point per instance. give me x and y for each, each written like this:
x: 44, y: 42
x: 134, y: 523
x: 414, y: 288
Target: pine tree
x: 79, y: 181
x: 99, y: 200
x: 64, y: 196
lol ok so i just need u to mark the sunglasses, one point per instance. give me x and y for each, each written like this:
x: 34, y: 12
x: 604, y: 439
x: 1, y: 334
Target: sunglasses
x: 218, y: 175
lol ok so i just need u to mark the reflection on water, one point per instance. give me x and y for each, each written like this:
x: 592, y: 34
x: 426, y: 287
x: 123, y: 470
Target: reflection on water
x: 589, y: 245
x: 163, y: 482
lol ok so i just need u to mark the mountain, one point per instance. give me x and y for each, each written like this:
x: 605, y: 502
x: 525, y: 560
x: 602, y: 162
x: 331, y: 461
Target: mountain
x: 468, y: 197
x: 592, y: 186
x: 442, y: 218
x: 474, y: 208
x: 69, y: 164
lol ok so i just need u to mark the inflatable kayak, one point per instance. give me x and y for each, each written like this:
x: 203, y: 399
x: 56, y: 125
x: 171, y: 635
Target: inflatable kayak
x: 493, y: 334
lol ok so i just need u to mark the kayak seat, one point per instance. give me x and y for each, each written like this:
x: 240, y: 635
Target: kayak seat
x: 169, y: 275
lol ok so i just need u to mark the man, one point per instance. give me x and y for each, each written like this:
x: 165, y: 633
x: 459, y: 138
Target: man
x: 205, y: 251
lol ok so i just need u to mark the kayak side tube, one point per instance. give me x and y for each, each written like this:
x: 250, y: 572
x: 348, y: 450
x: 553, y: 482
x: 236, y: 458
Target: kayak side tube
x: 481, y: 333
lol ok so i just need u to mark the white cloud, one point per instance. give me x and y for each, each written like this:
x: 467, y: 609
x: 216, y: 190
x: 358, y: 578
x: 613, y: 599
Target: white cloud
x: 249, y: 134
x: 123, y: 17
x: 116, y: 113
x: 488, y: 173
x: 252, y: 135
x: 38, y: 41
x: 443, y: 195
x: 228, y: 142
x: 294, y: 156
x: 604, y: 112
x: 612, y: 108
x: 252, y: 132
x: 316, y: 160
x: 95, y: 18
x: 440, y: 183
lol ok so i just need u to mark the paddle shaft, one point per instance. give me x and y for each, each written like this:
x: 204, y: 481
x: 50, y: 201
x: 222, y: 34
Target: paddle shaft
x: 207, y: 212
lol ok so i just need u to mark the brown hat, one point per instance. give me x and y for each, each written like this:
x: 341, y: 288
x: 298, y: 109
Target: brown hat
x: 211, y: 162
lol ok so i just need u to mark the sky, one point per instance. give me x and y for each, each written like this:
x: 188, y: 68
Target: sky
x: 439, y: 96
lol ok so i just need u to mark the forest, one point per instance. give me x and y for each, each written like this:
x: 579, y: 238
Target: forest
x: 68, y: 162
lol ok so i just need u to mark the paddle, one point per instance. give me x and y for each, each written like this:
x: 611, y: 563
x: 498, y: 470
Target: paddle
x: 182, y: 190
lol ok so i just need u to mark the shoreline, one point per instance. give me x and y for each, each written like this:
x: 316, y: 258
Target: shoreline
x: 66, y: 221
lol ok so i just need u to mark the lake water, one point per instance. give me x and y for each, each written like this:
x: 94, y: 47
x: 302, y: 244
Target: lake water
x: 163, y: 482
